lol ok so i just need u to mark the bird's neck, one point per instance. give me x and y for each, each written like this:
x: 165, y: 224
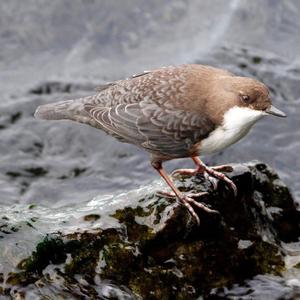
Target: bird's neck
x: 241, y: 118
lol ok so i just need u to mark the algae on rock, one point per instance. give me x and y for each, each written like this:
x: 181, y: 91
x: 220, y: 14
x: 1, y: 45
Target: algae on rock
x: 158, y: 252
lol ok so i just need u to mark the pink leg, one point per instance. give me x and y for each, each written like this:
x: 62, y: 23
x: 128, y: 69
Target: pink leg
x: 184, y: 199
x: 209, y: 173
x: 215, y: 173
x: 189, y: 172
x: 198, y: 170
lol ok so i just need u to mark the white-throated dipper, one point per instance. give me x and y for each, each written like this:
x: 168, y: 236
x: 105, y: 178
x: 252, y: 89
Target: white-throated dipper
x: 174, y: 112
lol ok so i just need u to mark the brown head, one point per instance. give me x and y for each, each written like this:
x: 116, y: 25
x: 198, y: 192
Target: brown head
x: 215, y: 91
x: 250, y: 93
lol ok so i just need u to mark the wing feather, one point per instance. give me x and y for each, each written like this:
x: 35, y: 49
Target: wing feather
x: 148, y: 110
x: 146, y: 124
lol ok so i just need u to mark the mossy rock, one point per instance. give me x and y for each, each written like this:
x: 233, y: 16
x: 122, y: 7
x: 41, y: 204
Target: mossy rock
x: 158, y: 252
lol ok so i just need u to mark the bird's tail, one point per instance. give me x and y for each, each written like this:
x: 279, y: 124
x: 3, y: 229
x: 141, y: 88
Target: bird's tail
x: 68, y: 109
x: 54, y: 111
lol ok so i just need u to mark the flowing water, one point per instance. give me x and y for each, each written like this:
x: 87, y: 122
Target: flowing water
x: 50, y: 172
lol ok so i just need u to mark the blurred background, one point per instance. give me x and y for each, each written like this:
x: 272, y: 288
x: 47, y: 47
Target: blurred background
x: 54, y: 173
x: 53, y: 50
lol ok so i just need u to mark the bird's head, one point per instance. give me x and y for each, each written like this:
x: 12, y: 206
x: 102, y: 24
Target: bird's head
x: 242, y: 101
x: 252, y: 94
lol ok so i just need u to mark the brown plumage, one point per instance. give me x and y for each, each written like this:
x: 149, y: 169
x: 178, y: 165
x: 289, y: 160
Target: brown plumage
x: 170, y: 112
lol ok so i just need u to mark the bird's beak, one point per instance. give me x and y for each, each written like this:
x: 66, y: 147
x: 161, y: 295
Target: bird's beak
x: 272, y: 110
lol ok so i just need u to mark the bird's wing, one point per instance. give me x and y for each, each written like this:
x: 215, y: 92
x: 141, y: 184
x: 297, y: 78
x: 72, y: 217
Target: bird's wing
x: 155, y: 128
x: 156, y: 85
x: 104, y: 86
x: 150, y: 109
x: 169, y: 86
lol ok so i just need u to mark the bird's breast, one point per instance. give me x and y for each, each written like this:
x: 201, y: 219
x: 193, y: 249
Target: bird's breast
x: 236, y: 124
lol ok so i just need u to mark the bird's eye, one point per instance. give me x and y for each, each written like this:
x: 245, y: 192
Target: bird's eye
x: 245, y: 98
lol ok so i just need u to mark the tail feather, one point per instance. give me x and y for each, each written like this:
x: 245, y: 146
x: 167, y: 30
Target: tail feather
x: 59, y: 110
x: 50, y: 112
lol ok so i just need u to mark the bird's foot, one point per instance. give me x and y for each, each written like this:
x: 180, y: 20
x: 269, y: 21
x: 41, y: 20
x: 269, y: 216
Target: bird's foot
x: 216, y: 172
x: 210, y: 174
x: 190, y: 202
x: 187, y: 201
x: 194, y: 172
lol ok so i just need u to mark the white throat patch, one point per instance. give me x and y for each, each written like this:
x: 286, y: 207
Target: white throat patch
x: 236, y: 124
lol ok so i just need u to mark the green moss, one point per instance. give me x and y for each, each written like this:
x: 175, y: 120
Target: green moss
x: 265, y: 258
x: 158, y: 253
x: 119, y: 258
x: 158, y: 208
x: 84, y: 260
x: 135, y: 231
x: 51, y: 250
x: 159, y: 283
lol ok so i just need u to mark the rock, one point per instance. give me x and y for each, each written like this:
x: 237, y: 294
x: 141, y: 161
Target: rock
x: 159, y: 252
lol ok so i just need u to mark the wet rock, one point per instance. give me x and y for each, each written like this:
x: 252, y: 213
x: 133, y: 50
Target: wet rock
x: 156, y: 251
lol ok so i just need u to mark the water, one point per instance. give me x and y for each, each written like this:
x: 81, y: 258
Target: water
x: 62, y: 166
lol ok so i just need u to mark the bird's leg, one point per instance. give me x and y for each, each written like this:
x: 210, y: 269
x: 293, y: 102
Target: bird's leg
x: 200, y: 169
x: 184, y: 199
x: 215, y: 172
x: 209, y: 173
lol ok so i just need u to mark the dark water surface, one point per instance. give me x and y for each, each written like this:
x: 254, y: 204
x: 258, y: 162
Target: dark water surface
x: 53, y: 50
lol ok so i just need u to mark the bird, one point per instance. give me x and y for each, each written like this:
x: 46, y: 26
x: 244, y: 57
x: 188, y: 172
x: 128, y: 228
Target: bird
x: 183, y: 111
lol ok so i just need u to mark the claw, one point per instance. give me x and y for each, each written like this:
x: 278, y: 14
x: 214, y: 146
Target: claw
x: 184, y: 199
x: 186, y: 202
x: 215, y: 172
x: 221, y: 176
x: 210, y: 174
x: 189, y: 202
x: 200, y: 205
x: 233, y: 187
